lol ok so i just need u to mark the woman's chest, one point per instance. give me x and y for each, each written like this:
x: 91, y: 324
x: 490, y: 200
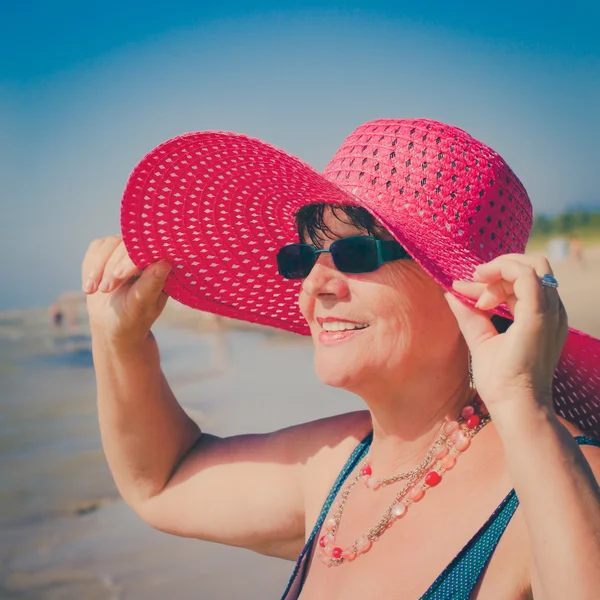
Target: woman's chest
x: 406, y: 579
x: 416, y: 549
x: 406, y: 570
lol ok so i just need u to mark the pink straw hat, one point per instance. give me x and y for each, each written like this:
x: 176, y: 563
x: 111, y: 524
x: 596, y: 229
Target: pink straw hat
x: 218, y: 206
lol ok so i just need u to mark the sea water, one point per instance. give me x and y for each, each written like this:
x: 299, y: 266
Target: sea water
x: 64, y: 533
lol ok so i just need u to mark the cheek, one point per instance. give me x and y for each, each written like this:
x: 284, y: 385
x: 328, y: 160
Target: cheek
x: 411, y: 306
x: 431, y: 325
x: 400, y: 295
x: 394, y: 326
x: 306, y: 305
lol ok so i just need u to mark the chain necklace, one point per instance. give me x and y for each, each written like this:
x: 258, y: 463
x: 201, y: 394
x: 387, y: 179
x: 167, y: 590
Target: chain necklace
x: 453, y: 438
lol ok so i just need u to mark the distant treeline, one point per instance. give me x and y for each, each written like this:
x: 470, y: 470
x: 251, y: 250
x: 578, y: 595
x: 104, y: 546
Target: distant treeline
x: 581, y: 223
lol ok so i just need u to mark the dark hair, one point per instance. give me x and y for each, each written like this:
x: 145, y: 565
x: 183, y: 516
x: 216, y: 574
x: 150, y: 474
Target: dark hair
x: 311, y: 224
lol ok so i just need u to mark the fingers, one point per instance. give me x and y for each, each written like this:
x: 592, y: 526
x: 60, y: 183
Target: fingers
x: 515, y: 280
x: 487, y: 295
x: 495, y: 293
x: 524, y: 274
x: 106, y: 265
x: 475, y: 325
x: 118, y: 267
x: 488, y: 270
x: 147, y: 290
x: 94, y: 260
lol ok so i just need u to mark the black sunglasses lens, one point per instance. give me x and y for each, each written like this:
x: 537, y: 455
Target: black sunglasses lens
x: 355, y: 255
x: 296, y: 260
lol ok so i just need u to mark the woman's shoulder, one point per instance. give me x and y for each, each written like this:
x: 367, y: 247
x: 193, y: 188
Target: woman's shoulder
x: 335, y: 436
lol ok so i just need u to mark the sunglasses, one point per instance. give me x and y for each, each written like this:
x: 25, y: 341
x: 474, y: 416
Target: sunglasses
x: 358, y: 254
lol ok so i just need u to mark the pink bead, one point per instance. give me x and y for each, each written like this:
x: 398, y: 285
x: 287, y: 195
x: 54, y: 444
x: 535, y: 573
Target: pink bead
x: 448, y: 462
x: 467, y: 412
x: 328, y: 539
x: 441, y: 452
x: 398, y: 510
x: 363, y: 545
x: 462, y: 443
x: 456, y: 435
x: 473, y: 421
x: 373, y: 483
x: 329, y: 524
x: 433, y: 478
x: 416, y: 494
x: 336, y: 552
x: 366, y: 470
x: 451, y: 427
x: 349, y: 554
x: 322, y: 556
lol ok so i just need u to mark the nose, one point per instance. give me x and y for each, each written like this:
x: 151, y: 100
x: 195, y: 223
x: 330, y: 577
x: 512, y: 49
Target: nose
x: 325, y: 279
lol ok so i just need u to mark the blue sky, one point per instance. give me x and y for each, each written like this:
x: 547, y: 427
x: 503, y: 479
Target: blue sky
x: 86, y: 89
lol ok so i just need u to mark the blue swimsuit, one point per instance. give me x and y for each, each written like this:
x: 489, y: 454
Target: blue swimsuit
x: 459, y: 578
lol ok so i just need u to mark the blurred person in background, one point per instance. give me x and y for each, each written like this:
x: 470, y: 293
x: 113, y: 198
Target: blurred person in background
x: 56, y: 315
x: 576, y: 251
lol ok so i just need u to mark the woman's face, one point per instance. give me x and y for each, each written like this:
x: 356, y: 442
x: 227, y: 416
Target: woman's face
x: 375, y: 328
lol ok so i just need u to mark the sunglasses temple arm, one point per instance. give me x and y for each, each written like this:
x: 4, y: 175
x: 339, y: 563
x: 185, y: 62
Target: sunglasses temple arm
x: 388, y: 250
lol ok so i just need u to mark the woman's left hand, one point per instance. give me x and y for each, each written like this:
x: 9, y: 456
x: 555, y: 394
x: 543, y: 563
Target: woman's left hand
x: 521, y: 361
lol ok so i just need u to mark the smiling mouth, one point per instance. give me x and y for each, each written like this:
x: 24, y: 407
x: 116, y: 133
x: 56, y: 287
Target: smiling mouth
x: 333, y: 326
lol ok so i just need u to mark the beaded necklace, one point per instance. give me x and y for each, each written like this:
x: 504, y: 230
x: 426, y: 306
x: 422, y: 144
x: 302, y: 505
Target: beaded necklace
x: 453, y: 438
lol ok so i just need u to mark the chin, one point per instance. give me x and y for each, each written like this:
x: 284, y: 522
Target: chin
x: 338, y: 373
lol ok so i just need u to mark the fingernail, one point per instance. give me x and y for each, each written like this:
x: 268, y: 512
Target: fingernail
x: 162, y: 270
x: 88, y: 286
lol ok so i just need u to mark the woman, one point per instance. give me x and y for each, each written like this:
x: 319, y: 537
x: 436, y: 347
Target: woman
x: 404, y: 249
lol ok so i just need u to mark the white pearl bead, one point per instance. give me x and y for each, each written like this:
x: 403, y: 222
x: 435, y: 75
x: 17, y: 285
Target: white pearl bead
x: 398, y: 510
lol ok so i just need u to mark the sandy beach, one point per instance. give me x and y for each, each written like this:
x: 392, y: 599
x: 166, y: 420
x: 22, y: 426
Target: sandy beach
x: 64, y: 532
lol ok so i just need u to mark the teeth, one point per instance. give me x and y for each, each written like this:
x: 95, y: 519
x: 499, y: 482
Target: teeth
x: 341, y: 326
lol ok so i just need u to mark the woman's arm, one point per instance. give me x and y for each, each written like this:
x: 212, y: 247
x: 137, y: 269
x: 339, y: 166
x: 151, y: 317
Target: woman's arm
x: 244, y: 490
x: 559, y: 496
x: 145, y: 431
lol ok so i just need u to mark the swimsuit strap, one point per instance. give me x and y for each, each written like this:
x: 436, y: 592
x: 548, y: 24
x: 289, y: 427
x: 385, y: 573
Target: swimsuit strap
x: 357, y: 455
x: 458, y: 579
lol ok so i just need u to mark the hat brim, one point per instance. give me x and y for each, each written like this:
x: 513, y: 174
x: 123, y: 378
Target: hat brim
x: 218, y: 206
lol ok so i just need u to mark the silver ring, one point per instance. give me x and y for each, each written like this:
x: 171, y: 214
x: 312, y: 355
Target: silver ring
x: 549, y: 281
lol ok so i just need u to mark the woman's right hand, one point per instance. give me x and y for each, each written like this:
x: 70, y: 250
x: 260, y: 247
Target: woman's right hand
x: 123, y: 302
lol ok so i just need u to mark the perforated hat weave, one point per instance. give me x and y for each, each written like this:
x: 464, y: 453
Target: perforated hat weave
x: 218, y: 206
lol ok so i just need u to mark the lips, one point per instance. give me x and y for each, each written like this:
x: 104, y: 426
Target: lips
x: 337, y: 325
